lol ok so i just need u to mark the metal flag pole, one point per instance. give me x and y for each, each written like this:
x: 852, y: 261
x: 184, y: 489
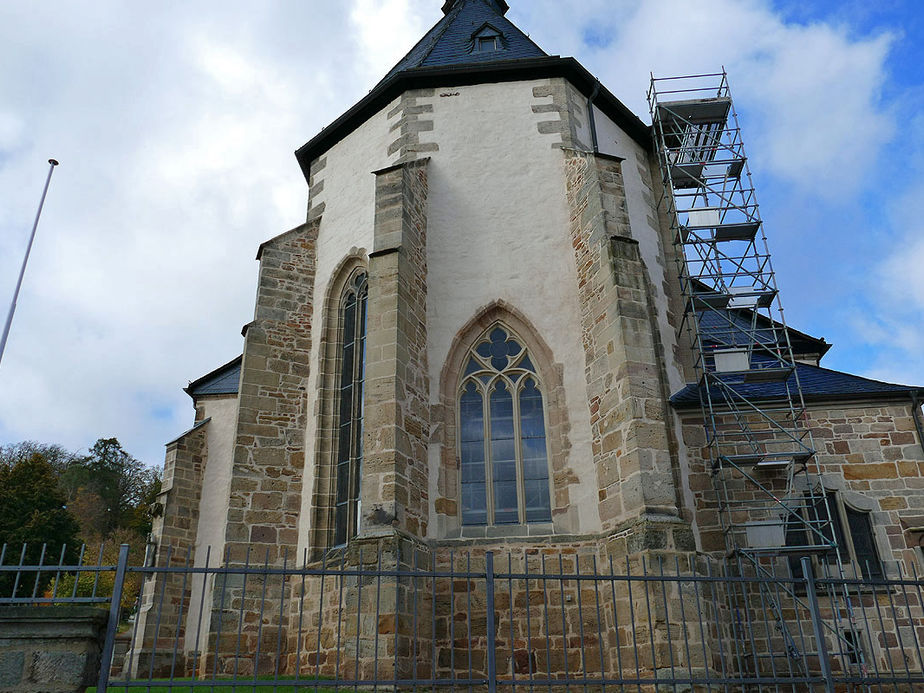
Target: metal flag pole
x: 25, y: 260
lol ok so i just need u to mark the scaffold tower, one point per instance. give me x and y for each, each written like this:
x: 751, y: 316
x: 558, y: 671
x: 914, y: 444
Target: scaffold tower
x: 771, y: 505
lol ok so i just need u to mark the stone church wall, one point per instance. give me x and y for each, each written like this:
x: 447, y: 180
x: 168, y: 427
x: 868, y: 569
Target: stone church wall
x: 870, y: 456
x: 496, y: 202
x: 866, y: 449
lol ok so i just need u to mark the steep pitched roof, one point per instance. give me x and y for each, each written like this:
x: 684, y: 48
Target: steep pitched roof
x: 447, y: 57
x: 224, y: 380
x: 817, y: 384
x: 450, y: 41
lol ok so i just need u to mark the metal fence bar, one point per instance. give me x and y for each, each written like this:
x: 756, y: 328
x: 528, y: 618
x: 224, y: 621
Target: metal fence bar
x: 646, y: 624
x: 112, y: 626
x: 491, y: 630
x: 817, y: 624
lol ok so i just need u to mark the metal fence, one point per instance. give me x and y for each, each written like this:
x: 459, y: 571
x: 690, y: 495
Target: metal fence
x: 476, y: 621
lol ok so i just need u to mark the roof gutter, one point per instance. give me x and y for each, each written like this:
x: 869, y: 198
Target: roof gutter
x: 590, y: 113
x: 820, y: 399
x: 915, y: 407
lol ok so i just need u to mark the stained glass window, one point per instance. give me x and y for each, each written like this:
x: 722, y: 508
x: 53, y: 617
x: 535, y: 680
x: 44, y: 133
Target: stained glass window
x: 502, y: 437
x: 350, y: 406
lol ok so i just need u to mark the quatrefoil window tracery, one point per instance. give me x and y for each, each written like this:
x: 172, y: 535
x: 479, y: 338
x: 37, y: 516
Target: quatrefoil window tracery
x: 502, y: 435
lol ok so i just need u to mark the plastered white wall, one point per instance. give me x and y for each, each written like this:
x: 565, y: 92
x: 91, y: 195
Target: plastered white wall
x: 499, y: 229
x: 213, y: 503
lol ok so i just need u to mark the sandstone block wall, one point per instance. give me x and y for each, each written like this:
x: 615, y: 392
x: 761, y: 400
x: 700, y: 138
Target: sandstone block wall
x: 625, y: 375
x: 269, y: 457
x: 865, y: 451
x: 396, y: 420
x: 869, y: 454
x: 50, y: 650
x: 165, y: 597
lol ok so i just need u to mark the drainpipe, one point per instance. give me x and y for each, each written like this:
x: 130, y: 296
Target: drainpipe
x: 915, y: 405
x: 590, y: 114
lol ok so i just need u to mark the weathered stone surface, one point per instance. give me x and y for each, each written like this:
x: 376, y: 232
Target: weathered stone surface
x: 624, y: 376
x: 407, y: 122
x: 397, y: 390
x: 52, y: 649
x: 12, y: 665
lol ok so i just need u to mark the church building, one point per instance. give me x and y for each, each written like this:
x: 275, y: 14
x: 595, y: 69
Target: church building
x: 508, y: 324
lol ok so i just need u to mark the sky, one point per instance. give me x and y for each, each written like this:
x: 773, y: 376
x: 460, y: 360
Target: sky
x: 175, y: 125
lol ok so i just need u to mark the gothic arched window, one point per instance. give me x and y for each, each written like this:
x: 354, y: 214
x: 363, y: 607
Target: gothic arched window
x: 350, y: 407
x: 502, y: 438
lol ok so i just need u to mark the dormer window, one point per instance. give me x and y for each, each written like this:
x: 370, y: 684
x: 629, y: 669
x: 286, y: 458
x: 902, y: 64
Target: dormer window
x: 488, y: 43
x: 487, y: 40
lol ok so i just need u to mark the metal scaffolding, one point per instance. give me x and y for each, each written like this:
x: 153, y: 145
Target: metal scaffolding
x: 770, y: 502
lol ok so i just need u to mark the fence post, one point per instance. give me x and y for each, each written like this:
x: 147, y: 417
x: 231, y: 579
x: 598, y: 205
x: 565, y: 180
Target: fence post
x: 817, y: 625
x: 490, y: 627
x: 105, y: 663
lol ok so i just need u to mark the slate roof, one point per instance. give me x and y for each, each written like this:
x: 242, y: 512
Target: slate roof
x: 449, y: 42
x: 739, y: 332
x: 446, y: 57
x: 817, y: 384
x: 224, y: 380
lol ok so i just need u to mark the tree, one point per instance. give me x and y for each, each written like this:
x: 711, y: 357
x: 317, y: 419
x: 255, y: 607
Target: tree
x: 110, y: 489
x: 33, y: 512
x: 56, y: 455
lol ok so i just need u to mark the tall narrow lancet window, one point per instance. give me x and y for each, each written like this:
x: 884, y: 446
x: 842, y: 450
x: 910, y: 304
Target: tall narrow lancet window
x: 502, y: 439
x: 350, y: 403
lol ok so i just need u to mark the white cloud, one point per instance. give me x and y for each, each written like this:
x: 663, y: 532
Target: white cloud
x: 386, y: 31
x: 810, y: 94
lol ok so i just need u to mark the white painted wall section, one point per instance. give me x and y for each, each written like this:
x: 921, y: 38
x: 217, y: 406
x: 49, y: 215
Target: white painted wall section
x: 215, y: 497
x: 498, y: 229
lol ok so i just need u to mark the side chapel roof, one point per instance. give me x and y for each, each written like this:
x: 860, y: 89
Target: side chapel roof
x: 817, y: 383
x: 224, y: 380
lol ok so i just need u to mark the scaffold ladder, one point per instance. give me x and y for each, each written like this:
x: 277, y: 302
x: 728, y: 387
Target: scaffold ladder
x: 771, y: 504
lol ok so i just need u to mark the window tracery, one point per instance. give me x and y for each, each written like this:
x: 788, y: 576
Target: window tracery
x: 503, y: 450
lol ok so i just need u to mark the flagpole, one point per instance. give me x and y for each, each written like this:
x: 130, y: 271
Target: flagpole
x: 25, y: 260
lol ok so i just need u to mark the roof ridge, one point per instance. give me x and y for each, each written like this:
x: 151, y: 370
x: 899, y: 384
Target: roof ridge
x: 434, y: 39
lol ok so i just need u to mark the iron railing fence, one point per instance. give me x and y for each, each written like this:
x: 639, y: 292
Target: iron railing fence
x: 428, y: 619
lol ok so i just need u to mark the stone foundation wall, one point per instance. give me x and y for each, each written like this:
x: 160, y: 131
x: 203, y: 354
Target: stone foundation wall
x: 436, y: 625
x: 350, y: 625
x: 50, y: 650
x: 561, y: 627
